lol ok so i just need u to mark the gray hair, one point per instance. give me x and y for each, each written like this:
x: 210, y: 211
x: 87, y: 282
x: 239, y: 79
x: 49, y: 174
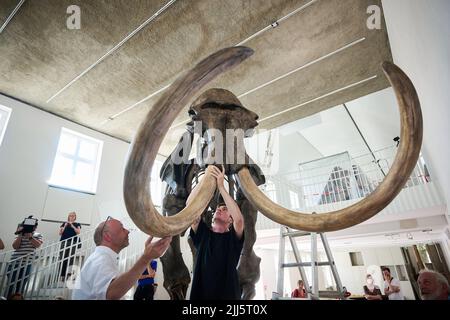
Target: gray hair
x: 439, y: 276
x: 98, y: 234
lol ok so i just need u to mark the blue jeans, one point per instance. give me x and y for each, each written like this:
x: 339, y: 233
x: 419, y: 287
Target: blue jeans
x: 18, y: 274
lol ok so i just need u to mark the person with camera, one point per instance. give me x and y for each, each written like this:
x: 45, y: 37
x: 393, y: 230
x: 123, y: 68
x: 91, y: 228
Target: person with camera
x: 69, y: 232
x: 25, y: 245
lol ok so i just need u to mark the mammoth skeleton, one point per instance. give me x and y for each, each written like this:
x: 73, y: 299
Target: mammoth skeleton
x: 219, y: 109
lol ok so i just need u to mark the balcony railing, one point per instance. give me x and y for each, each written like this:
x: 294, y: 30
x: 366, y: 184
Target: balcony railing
x: 335, y: 182
x: 50, y: 272
x: 341, y: 178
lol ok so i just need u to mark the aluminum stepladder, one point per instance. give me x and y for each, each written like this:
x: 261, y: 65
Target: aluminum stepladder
x: 313, y: 291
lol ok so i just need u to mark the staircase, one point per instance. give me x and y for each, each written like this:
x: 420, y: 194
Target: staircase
x: 43, y: 279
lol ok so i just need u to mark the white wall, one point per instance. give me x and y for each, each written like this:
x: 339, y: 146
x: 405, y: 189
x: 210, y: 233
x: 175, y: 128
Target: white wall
x: 419, y: 33
x: 26, y: 159
x: 269, y: 271
x: 354, y: 277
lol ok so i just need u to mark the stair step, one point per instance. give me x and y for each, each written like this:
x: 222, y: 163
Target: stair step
x: 304, y: 264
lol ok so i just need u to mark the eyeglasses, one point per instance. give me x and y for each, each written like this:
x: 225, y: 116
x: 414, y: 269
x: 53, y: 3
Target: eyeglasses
x: 103, y: 228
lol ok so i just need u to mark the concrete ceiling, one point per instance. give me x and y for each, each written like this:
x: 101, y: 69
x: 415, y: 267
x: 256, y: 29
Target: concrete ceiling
x: 39, y: 56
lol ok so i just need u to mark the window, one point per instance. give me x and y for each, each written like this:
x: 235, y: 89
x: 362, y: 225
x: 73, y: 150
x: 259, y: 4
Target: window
x: 77, y: 162
x: 401, y: 272
x: 356, y: 259
x: 392, y: 270
x: 270, y: 190
x: 156, y: 185
x: 4, y: 118
x: 294, y: 199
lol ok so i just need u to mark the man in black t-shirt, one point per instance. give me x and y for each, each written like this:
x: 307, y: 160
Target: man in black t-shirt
x: 69, y: 232
x: 218, y: 248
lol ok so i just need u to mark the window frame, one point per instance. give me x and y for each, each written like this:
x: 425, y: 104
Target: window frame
x: 156, y: 183
x: 75, y: 159
x: 294, y: 199
x: 8, y: 116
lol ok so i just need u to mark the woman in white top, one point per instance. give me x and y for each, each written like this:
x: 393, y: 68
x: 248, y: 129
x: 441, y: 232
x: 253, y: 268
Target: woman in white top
x: 372, y: 291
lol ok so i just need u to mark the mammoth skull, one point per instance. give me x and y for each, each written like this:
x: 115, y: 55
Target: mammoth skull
x: 151, y: 133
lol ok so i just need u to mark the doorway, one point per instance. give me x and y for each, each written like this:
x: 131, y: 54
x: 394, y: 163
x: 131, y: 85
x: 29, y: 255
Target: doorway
x: 424, y: 256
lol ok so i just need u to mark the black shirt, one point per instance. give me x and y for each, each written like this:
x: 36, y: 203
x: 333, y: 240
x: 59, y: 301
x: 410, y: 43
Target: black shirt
x: 215, y: 274
x: 69, y: 232
x: 376, y: 291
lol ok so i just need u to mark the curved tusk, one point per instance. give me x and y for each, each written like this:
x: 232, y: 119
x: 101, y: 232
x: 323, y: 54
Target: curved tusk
x: 149, y: 137
x: 404, y: 163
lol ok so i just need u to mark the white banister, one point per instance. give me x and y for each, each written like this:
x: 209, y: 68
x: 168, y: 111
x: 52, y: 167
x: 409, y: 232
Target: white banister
x: 336, y: 182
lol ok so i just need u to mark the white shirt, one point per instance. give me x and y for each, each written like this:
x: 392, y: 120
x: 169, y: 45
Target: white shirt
x: 395, y: 295
x: 97, y: 273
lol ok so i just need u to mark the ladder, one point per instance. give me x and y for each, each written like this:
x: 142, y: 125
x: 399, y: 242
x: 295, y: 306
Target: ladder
x: 313, y: 290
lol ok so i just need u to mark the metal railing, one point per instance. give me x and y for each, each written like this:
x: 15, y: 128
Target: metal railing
x: 45, y: 273
x: 50, y: 271
x: 343, y: 178
x: 335, y: 182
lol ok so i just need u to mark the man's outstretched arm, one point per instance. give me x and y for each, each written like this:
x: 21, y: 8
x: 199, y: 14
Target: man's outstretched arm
x: 194, y: 194
x: 120, y: 285
x: 233, y: 208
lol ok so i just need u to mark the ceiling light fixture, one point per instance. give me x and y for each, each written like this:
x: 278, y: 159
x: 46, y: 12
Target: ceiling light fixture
x: 293, y: 71
x: 276, y: 23
x: 271, y: 26
x: 351, y: 44
x: 110, y: 51
x: 392, y: 236
x: 11, y: 15
x: 318, y: 98
x: 135, y: 104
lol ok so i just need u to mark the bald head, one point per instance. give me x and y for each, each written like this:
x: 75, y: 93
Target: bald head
x: 112, y: 234
x: 432, y: 285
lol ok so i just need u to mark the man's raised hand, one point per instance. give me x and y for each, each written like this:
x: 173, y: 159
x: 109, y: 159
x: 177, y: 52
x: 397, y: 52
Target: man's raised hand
x: 156, y: 249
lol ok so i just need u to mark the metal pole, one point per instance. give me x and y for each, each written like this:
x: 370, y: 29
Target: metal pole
x: 365, y: 142
x: 337, y: 279
x: 280, y: 282
x: 299, y: 260
x: 314, y: 271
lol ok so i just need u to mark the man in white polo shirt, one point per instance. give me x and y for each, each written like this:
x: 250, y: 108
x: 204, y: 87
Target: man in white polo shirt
x: 99, y: 278
x: 391, y: 286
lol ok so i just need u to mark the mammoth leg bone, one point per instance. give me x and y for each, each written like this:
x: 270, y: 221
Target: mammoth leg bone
x: 248, y: 267
x: 176, y: 274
